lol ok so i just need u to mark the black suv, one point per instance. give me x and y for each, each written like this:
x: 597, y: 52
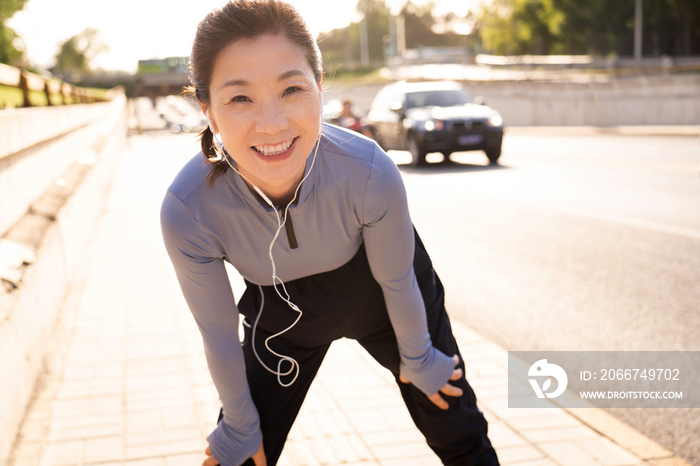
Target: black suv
x: 434, y: 117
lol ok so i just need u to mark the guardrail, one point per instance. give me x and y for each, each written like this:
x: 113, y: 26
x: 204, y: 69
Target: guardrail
x: 56, y: 91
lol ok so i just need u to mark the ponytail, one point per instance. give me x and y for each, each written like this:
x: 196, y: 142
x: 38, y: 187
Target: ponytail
x: 213, y: 155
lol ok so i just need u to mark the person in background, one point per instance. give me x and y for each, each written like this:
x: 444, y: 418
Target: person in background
x: 348, y: 119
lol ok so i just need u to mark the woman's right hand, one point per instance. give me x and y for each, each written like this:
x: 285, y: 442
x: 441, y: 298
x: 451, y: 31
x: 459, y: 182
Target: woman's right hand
x: 258, y: 458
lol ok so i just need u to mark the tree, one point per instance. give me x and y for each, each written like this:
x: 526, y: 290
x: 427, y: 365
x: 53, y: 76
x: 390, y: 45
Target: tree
x: 343, y: 45
x: 522, y: 27
x: 74, y: 55
x: 598, y: 27
x: 9, y: 52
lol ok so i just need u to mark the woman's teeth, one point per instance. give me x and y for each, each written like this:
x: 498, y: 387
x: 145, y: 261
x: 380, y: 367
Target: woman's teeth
x: 269, y: 151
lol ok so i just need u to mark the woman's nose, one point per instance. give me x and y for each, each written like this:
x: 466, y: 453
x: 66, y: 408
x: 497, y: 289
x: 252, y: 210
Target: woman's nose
x: 271, y: 119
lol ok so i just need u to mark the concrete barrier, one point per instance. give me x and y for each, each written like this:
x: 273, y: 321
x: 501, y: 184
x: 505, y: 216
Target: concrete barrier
x: 641, y: 100
x: 38, y: 144
x: 29, y: 313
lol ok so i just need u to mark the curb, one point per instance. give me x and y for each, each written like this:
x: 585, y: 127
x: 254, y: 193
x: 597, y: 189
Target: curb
x: 678, y: 130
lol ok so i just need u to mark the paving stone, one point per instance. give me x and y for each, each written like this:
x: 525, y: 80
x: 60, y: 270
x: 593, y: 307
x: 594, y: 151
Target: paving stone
x: 559, y: 433
x: 325, y: 423
x: 57, y: 435
x: 165, y: 448
x: 568, y: 454
x: 539, y: 462
x: 106, y: 404
x: 144, y: 421
x: 416, y: 461
x: 344, y: 451
x: 161, y: 436
x: 190, y: 459
x: 388, y: 437
x: 502, y: 435
x: 518, y: 454
x: 324, y: 451
x: 608, y: 453
x: 400, y: 450
x: 360, y: 447
x: 367, y: 420
x: 103, y: 449
x: 397, y: 417
x: 74, y: 408
x: 179, y: 416
x: 431, y: 460
x: 547, y: 420
x: 149, y: 462
x: 64, y: 454
x: 116, y: 419
x: 304, y: 454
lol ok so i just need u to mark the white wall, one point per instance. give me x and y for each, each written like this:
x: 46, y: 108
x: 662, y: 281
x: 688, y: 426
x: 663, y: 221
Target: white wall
x: 658, y: 100
x: 37, y: 145
x: 28, y: 317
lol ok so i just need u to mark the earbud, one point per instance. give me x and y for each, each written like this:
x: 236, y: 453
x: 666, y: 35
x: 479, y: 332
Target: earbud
x: 211, y: 127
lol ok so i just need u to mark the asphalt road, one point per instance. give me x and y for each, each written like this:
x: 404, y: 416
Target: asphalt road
x: 573, y: 243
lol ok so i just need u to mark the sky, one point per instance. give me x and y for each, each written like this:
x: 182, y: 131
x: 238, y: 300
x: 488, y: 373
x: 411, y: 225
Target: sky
x: 144, y: 29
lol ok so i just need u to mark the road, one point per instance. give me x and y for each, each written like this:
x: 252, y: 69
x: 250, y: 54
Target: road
x: 573, y: 243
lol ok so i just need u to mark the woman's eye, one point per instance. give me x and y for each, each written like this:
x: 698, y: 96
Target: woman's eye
x: 240, y: 98
x: 292, y: 90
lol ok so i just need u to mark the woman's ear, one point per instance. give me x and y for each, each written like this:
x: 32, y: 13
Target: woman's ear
x: 212, y: 125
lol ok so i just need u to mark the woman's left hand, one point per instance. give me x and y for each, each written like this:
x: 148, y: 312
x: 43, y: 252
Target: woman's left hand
x: 210, y: 461
x: 448, y: 389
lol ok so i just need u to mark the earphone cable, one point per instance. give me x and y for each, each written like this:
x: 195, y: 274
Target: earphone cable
x: 280, y: 224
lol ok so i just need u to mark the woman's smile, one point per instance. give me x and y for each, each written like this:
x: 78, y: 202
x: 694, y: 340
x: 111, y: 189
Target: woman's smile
x: 275, y: 150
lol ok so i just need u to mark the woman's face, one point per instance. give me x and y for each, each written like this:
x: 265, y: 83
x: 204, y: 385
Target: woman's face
x: 266, y: 105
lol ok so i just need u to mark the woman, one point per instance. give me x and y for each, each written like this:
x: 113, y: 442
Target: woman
x: 315, y: 219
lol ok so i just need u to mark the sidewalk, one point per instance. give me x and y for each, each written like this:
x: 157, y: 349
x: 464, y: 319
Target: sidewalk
x: 128, y: 384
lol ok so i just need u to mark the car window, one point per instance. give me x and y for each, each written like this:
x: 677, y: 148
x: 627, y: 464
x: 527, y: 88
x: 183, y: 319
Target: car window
x: 445, y: 98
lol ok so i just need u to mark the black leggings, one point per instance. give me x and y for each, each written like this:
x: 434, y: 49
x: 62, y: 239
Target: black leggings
x: 348, y: 302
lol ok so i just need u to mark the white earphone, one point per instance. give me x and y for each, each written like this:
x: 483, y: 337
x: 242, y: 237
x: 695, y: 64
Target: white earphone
x: 280, y: 223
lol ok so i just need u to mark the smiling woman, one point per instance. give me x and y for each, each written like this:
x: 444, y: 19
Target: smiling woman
x: 349, y: 265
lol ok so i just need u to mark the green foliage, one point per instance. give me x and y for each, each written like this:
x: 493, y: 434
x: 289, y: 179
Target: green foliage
x: 342, y: 46
x: 598, y: 27
x: 75, y: 54
x: 9, y: 53
x: 12, y: 97
x: 9, y: 7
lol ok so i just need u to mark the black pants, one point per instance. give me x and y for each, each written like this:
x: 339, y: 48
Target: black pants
x: 348, y: 302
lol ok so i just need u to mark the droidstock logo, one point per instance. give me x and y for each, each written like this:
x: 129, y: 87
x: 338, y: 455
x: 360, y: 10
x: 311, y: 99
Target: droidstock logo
x: 540, y: 369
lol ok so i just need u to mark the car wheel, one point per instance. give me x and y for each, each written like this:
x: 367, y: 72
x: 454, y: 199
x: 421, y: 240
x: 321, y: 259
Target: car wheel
x: 417, y: 152
x: 493, y: 154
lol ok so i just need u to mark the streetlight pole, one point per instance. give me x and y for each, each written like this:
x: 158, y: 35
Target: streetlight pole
x: 638, y: 29
x: 364, y: 46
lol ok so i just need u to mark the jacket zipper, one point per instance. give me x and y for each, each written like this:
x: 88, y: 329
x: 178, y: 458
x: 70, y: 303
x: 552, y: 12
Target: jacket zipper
x: 289, y: 228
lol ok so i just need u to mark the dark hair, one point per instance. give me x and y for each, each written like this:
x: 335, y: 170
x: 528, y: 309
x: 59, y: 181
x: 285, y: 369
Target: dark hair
x: 242, y: 19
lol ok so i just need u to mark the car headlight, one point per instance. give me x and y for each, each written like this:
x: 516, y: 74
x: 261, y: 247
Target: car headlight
x: 433, y: 125
x: 495, y: 120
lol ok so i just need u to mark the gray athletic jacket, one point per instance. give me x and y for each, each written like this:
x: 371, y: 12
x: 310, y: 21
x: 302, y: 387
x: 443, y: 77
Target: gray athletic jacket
x: 353, y: 194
